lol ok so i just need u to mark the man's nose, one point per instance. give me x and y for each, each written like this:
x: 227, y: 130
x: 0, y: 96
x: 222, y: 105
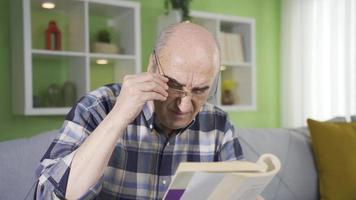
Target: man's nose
x: 185, y: 104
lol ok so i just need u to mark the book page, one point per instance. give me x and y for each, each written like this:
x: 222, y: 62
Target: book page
x: 202, y: 185
x: 239, y: 187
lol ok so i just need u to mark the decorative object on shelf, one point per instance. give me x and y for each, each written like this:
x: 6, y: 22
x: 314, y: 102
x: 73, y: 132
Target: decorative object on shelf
x: 180, y: 5
x: 69, y: 92
x: 232, y: 47
x: 54, y: 95
x: 53, y: 36
x: 228, y: 96
x: 103, y: 43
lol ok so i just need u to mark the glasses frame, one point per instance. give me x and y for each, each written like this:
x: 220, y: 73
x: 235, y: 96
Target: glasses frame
x: 179, y: 93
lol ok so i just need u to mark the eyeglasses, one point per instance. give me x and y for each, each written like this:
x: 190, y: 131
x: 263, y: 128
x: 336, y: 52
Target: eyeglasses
x: 175, y: 88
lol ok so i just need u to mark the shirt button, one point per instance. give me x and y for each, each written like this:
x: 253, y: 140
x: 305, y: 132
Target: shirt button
x: 164, y: 182
x: 151, y: 126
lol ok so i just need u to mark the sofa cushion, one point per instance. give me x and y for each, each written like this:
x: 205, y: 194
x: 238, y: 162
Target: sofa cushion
x: 297, y: 178
x: 19, y: 160
x: 334, y: 147
x: 305, y: 130
x: 353, y: 118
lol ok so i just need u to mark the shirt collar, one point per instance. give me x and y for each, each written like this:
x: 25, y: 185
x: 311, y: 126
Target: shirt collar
x: 149, y: 116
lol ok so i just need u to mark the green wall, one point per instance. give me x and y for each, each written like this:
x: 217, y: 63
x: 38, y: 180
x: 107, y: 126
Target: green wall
x: 266, y: 13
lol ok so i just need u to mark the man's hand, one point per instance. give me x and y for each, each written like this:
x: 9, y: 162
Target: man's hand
x: 93, y: 155
x: 136, y: 90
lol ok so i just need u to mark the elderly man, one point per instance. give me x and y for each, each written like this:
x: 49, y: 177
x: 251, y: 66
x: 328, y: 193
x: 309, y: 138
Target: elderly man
x: 126, y: 141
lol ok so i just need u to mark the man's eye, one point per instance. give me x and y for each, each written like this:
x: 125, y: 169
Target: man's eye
x: 199, y: 91
x: 174, y: 85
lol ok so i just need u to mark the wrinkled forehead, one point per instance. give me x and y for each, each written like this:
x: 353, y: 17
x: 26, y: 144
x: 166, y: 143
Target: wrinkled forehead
x: 189, y: 71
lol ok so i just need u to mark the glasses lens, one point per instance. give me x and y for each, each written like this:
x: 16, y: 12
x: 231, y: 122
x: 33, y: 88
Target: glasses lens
x: 176, y: 93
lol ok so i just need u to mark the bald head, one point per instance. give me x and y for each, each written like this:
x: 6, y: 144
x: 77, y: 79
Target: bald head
x: 187, y: 38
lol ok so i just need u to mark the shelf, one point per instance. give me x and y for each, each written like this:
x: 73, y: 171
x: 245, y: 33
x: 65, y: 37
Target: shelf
x: 45, y: 111
x: 52, y: 69
x: 57, y: 53
x: 238, y: 108
x: 112, y: 56
x: 237, y: 64
x: 78, y: 54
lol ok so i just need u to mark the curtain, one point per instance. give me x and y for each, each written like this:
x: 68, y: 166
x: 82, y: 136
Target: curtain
x: 318, y: 60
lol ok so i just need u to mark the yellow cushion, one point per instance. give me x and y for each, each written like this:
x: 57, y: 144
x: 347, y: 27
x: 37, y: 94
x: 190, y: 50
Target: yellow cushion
x: 334, y: 146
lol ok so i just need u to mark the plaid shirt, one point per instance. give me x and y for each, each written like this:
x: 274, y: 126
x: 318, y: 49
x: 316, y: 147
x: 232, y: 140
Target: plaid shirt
x: 144, y: 161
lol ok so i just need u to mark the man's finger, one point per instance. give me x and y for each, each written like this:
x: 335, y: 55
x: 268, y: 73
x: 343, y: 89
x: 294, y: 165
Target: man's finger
x: 152, y: 86
x: 146, y: 79
x: 149, y: 96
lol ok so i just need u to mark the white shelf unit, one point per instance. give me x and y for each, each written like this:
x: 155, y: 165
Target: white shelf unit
x: 36, y: 68
x: 242, y: 73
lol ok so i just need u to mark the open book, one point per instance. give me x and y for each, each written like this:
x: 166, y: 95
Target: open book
x: 237, y: 180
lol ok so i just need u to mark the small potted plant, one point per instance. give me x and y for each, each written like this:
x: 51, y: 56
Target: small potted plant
x: 228, y: 95
x: 181, y: 5
x: 103, y: 43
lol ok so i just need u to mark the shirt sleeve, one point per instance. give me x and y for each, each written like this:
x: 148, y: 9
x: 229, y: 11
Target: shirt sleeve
x: 53, y: 171
x: 230, y: 148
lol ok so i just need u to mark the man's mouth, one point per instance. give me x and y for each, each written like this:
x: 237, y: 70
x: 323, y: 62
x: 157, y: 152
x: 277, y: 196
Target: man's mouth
x: 179, y: 113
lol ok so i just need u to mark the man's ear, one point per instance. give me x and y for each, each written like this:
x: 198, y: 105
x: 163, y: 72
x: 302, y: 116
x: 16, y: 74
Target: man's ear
x: 151, y: 65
